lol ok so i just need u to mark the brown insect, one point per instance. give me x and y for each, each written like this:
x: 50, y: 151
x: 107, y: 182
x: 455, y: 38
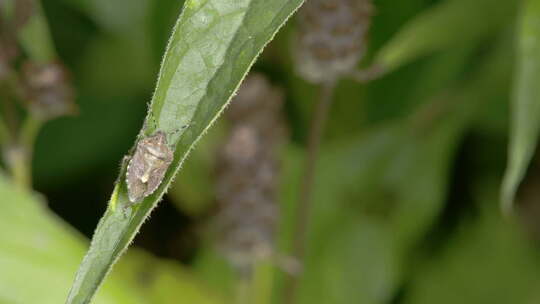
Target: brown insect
x: 147, y: 166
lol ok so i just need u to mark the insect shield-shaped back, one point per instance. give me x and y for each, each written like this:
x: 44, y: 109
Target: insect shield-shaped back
x: 148, y: 165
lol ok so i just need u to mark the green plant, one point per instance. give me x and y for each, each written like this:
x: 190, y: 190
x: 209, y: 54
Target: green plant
x: 377, y: 183
x: 210, y: 51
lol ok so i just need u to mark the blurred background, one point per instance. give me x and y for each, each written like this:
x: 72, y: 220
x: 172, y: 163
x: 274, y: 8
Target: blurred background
x: 405, y: 196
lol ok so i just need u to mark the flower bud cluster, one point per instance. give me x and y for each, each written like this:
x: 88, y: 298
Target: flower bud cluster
x: 247, y: 173
x: 331, y: 38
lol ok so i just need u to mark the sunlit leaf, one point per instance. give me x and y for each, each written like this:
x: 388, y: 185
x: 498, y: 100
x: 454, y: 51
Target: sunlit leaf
x: 39, y: 253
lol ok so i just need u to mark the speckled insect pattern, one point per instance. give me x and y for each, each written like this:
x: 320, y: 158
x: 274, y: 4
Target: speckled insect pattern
x: 148, y: 165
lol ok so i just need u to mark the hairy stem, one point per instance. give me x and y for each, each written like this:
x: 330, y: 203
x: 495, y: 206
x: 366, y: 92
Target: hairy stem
x: 304, y: 206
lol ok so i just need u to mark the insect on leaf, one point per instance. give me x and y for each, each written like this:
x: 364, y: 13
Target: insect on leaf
x: 211, y: 49
x: 148, y: 165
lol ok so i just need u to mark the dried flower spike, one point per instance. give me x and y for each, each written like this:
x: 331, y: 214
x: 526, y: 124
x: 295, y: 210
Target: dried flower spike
x: 247, y: 173
x: 47, y: 89
x: 331, y: 38
x: 147, y: 166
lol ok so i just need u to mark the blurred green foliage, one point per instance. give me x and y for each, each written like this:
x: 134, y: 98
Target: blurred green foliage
x: 40, y: 254
x: 405, y: 203
x: 526, y: 106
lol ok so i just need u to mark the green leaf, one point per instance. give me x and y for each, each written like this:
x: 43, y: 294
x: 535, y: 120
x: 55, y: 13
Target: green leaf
x: 212, y: 48
x: 39, y: 253
x: 35, y: 247
x: 525, y: 102
x: 488, y: 260
x: 445, y: 26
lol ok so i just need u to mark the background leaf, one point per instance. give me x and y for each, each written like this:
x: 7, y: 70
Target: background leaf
x: 490, y: 251
x: 38, y: 250
x: 369, y: 215
x: 525, y: 102
x: 448, y: 24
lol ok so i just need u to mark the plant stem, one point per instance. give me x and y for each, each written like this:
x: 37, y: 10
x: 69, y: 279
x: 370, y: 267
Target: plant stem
x: 242, y: 291
x: 29, y: 131
x: 19, y: 154
x: 261, y: 283
x: 304, y: 207
x: 255, y: 287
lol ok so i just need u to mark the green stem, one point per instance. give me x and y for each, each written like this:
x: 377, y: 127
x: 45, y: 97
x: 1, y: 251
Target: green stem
x: 318, y: 123
x: 242, y: 291
x: 261, y: 283
x: 29, y: 131
x: 20, y: 153
x: 256, y: 287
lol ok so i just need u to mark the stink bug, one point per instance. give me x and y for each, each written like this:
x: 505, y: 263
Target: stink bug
x: 147, y: 166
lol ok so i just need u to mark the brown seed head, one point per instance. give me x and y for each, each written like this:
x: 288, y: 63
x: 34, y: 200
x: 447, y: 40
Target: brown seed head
x: 247, y: 173
x: 48, y: 90
x: 331, y: 38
